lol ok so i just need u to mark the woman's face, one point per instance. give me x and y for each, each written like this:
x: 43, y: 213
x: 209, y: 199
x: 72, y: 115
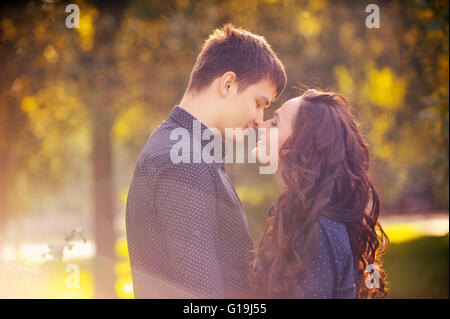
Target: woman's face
x: 283, y: 121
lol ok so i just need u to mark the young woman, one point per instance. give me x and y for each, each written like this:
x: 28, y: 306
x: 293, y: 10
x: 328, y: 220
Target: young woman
x: 322, y: 238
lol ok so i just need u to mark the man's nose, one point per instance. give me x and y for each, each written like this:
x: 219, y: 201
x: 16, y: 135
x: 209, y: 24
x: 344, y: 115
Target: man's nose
x: 259, y: 117
x: 258, y: 120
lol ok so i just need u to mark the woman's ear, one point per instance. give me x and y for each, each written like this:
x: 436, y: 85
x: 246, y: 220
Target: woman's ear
x: 226, y: 83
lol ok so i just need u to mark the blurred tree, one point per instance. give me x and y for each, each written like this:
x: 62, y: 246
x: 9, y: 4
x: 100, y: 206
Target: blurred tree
x: 97, y: 75
x: 104, y: 87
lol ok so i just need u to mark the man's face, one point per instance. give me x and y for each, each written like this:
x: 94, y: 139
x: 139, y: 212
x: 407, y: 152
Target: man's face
x: 245, y: 109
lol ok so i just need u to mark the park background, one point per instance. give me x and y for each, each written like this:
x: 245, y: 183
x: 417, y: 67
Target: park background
x: 77, y: 106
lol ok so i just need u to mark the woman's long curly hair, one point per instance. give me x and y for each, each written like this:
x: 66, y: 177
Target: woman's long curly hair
x: 325, y: 166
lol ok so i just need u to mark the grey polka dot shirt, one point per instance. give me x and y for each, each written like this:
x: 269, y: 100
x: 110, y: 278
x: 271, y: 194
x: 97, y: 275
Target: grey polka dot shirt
x: 187, y: 233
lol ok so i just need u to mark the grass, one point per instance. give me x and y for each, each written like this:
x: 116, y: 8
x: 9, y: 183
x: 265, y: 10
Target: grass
x: 418, y: 268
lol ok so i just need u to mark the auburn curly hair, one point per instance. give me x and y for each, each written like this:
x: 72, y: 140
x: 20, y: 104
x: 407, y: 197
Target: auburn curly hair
x: 325, y: 165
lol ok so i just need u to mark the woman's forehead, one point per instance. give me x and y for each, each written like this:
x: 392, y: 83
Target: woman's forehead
x: 290, y: 106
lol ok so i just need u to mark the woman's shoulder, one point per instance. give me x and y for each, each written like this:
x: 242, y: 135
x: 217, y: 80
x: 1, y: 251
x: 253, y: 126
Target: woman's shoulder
x: 333, y: 239
x: 336, y: 234
x: 327, y: 275
x: 338, y: 240
x: 331, y: 224
x: 333, y: 244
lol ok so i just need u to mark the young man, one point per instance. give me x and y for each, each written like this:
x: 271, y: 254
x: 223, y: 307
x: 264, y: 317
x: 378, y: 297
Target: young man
x: 187, y: 233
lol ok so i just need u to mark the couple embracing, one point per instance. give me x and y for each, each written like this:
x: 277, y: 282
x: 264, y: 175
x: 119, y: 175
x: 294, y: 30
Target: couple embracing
x: 187, y: 232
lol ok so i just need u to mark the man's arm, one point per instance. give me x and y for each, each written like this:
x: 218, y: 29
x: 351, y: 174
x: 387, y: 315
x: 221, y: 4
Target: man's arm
x: 185, y: 199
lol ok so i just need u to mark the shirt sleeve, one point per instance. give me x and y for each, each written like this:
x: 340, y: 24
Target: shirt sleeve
x: 185, y: 201
x: 318, y: 280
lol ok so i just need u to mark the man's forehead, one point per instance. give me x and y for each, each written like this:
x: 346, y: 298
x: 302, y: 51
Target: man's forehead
x: 267, y: 90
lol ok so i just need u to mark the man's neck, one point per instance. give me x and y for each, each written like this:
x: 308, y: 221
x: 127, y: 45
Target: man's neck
x: 199, y: 106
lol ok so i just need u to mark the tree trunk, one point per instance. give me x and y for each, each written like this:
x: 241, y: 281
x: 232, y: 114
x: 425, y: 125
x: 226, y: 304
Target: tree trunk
x: 5, y: 143
x: 104, y: 279
x: 102, y: 70
x: 3, y: 187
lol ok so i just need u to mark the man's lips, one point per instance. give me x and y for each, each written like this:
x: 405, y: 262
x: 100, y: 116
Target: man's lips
x: 246, y: 128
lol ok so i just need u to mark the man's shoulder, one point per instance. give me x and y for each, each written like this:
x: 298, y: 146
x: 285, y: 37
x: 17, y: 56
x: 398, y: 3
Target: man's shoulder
x: 162, y: 150
x: 167, y: 141
x: 158, y: 145
x: 159, y: 164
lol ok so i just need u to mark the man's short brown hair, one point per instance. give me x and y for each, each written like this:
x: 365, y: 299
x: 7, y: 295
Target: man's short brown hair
x: 248, y: 55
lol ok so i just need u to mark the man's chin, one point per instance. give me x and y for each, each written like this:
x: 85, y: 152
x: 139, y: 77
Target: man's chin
x: 236, y: 138
x: 238, y: 135
x: 259, y: 160
x: 246, y: 130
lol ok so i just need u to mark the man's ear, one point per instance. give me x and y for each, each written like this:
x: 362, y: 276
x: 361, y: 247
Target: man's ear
x: 226, y: 83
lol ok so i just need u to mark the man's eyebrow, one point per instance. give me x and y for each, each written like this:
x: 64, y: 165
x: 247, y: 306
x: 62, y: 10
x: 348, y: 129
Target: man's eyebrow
x: 265, y: 99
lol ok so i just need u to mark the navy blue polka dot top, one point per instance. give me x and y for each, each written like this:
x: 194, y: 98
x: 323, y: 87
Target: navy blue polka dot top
x: 332, y: 272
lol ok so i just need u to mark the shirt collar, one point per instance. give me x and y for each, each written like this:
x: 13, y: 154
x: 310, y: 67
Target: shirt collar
x: 186, y: 120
